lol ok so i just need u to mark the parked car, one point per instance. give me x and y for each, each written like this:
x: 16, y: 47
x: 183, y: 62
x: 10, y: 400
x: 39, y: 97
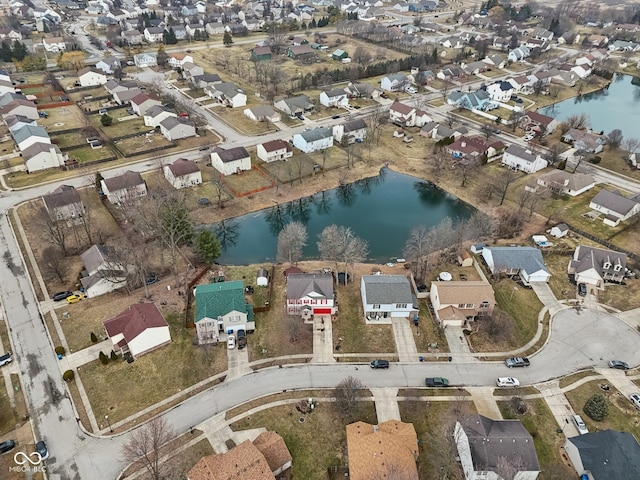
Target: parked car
x: 620, y: 365
x: 411, y: 90
x: 231, y: 342
x: 75, y: 298
x: 379, y: 364
x: 517, y: 362
x: 61, y: 295
x: 335, y: 116
x: 41, y: 448
x: 183, y: 114
x: 204, y: 148
x: 582, y: 428
x: 582, y: 289
x: 7, y: 445
x: 436, y: 382
x: 242, y: 339
x: 507, y: 382
x: 5, y: 359
x: 635, y: 399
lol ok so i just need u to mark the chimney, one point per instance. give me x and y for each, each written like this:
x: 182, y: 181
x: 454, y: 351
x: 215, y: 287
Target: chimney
x: 463, y: 144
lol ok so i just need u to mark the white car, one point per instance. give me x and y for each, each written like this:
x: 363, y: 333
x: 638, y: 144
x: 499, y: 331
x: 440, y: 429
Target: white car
x: 231, y: 341
x: 507, y: 382
x: 411, y: 90
x: 635, y: 399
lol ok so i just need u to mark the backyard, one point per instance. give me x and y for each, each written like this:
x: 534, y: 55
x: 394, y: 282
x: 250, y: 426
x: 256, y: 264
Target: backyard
x: 62, y: 118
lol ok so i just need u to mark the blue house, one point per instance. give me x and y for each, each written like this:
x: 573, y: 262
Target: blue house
x: 478, y: 100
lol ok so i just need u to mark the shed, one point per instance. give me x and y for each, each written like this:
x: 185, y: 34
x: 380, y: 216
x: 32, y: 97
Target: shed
x: 262, y: 278
x: 465, y: 259
x: 477, y: 248
x: 559, y: 230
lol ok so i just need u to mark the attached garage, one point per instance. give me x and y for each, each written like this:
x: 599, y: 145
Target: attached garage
x: 322, y: 311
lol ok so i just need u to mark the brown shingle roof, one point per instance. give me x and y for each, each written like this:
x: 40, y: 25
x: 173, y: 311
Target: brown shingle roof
x: 275, y: 451
x: 274, y: 145
x: 231, y: 154
x: 62, y: 196
x: 402, y: 108
x: 464, y: 292
x: 135, y: 320
x: 244, y: 462
x: 125, y: 181
x: 182, y: 167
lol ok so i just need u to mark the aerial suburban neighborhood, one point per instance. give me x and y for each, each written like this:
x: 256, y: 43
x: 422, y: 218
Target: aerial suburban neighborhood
x: 313, y: 241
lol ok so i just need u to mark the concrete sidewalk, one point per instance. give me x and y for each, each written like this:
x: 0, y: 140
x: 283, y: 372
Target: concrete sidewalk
x: 88, y: 355
x: 405, y: 343
x: 559, y: 406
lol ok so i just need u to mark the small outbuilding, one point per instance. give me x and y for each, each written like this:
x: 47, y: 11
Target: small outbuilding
x: 262, y: 278
x: 559, y: 230
x: 465, y: 259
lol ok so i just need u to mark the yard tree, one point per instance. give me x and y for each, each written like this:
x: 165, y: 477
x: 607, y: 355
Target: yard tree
x: 106, y: 120
x: 52, y: 231
x: 32, y: 63
x: 144, y: 443
x: 501, y: 184
x: 162, y: 57
x: 291, y: 240
x: 578, y: 120
x: 169, y: 37
x: 98, y: 182
x: 207, y: 246
x: 175, y: 227
x: 596, y: 407
x: 443, y: 440
x: 347, y: 394
x: 71, y: 60
x: 227, y: 40
x: 54, y: 263
x: 509, y: 467
x: 416, y: 250
x: 553, y: 154
x: 614, y: 138
x: 630, y: 146
x: 340, y: 244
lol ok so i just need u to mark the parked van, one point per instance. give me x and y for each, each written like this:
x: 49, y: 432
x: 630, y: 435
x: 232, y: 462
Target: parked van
x: 582, y: 428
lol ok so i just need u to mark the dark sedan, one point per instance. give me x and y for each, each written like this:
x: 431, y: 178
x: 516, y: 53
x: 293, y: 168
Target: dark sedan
x: 6, y: 446
x: 58, y: 297
x: 618, y: 364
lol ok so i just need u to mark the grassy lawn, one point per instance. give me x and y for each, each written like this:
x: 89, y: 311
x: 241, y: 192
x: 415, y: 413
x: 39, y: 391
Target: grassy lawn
x: 277, y: 397
x: 574, y: 377
x: 428, y: 332
x: 69, y: 139
x: 622, y: 415
x: 318, y: 443
x: 88, y: 154
x: 246, y: 181
x: 540, y: 423
x: 559, y: 281
x: 133, y: 145
x: 238, y: 120
x: 7, y: 417
x: 81, y: 95
x: 62, y: 118
x: 153, y: 376
x: 119, y: 128
x: 301, y: 164
x: 622, y: 297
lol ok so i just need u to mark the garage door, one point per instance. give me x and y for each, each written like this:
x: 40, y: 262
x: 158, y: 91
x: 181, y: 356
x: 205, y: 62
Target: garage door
x: 322, y: 311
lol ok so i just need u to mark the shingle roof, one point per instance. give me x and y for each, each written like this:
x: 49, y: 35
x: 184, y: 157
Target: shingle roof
x: 182, y: 167
x: 316, y: 134
x: 450, y: 293
x: 521, y: 153
x: 318, y: 285
x: 528, y: 259
x: 125, y: 181
x: 612, y: 201
x: 609, y: 454
x: 243, y: 462
x: 275, y: 451
x: 585, y: 258
x: 214, y: 300
x: 564, y: 179
x: 37, y: 148
x: 231, y: 154
x: 353, y: 125
x: 387, y: 289
x: 172, y: 122
x: 135, y: 320
x: 274, y: 145
x: 156, y: 110
x: 95, y: 256
x: 29, y: 131
x: 402, y: 108
x: 335, y: 92
x: 62, y: 196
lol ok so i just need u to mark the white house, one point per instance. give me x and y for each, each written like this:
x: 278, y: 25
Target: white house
x: 526, y: 262
x: 154, y: 34
x: 566, y: 183
x: 227, y: 93
x: 41, y: 156
x: 176, y: 128
x: 143, y: 102
x: 407, y: 116
x: 20, y: 107
x: 125, y: 188
x: 149, y: 59
x: 54, y: 44
x: 177, y: 60
x: 90, y: 76
x: 313, y: 140
x: 500, y: 91
x: 523, y: 160
x: 103, y: 273
x: 310, y: 294
x: 615, y: 206
x: 387, y: 296
x: 597, y: 266
x: 156, y: 114
x: 183, y: 173
x: 334, y: 98
x: 139, y: 329
x: 230, y: 161
x: 274, y: 150
x: 353, y: 131
x: 108, y: 64
x: 262, y: 113
x: 30, y: 135
x: 394, y: 83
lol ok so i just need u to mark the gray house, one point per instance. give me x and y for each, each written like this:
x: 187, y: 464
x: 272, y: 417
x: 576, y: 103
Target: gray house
x: 596, y: 266
x: 63, y: 203
x: 387, y: 296
x: 295, y: 105
x: 526, y: 262
x: 605, y: 455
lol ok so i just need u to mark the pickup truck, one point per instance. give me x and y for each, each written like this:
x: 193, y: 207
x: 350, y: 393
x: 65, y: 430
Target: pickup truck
x: 436, y: 382
x: 517, y: 362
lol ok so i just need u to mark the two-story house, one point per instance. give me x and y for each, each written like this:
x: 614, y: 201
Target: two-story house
x: 387, y: 296
x: 310, y: 294
x: 352, y: 131
x: 523, y: 160
x: 313, y: 140
x: 335, y: 97
x: 122, y: 190
x: 183, y: 173
x: 457, y: 303
x: 231, y: 160
x: 64, y: 203
x: 597, y: 266
x: 103, y: 272
x: 274, y: 150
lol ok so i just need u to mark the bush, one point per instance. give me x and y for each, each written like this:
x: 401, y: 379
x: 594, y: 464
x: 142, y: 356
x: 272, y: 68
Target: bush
x: 596, y: 407
x: 68, y: 376
x: 106, y: 120
x: 562, y: 165
x: 59, y: 350
x: 114, y: 356
x: 103, y: 358
x: 94, y: 339
x: 518, y: 406
x: 595, y: 159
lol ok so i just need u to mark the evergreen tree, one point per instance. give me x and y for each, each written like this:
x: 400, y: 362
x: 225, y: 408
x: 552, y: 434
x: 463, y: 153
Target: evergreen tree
x: 5, y: 51
x: 103, y: 358
x: 227, y: 40
x: 99, y: 179
x: 19, y: 51
x: 313, y: 23
x: 162, y: 56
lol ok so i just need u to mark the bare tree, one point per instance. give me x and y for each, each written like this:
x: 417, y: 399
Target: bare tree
x: 579, y: 156
x: 578, y: 120
x: 553, y: 155
x: 348, y: 393
x: 443, y: 441
x: 144, y: 445
x: 54, y: 263
x: 508, y: 467
x: 630, y: 146
x: 291, y: 239
x: 614, y: 138
x: 479, y: 226
x: 503, y: 182
x: 52, y: 230
x: 416, y: 250
x: 375, y: 121
x: 466, y: 169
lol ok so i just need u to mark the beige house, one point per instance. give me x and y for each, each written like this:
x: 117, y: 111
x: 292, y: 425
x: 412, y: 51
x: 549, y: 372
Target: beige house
x: 124, y: 188
x: 183, y: 173
x: 456, y: 303
x: 274, y: 150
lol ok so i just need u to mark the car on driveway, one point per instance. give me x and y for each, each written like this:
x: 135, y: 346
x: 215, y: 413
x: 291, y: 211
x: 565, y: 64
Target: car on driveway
x: 75, y: 298
x: 61, y: 296
x: 507, y: 382
x: 619, y: 364
x: 379, y: 364
x: 635, y: 399
x: 582, y: 289
x: 436, y: 382
x: 517, y: 362
x: 231, y: 342
x: 5, y: 359
x: 6, y: 446
x: 582, y: 428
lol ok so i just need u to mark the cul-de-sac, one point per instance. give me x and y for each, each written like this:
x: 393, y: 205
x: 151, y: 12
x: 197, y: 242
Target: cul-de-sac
x: 319, y: 240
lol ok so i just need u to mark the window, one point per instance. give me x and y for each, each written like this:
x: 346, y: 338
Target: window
x: 461, y: 305
x: 469, y: 305
x: 401, y: 305
x: 484, y: 305
x: 376, y: 307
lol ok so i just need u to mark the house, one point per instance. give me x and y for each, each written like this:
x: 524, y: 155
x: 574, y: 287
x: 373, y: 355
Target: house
x: 227, y: 94
x: 262, y: 113
x: 310, y: 294
x: 439, y: 131
x: 526, y: 262
x: 585, y: 140
x: 274, y: 150
x: 266, y: 458
x: 113, y: 86
x: 20, y: 107
x: 154, y: 34
x: 495, y: 60
x: 9, y: 97
x: 176, y: 128
x: 183, y: 173
x: 195, y: 28
x: 615, y: 206
x: 478, y: 100
x: 148, y: 59
x: 604, y: 455
x: 41, y: 156
x: 457, y: 303
x: 177, y: 60
x: 313, y: 140
x: 131, y: 37
x: 388, y: 450
x: 156, y: 114
x: 475, y: 68
x: 295, y: 105
x: 452, y: 42
x: 407, y: 116
x: 109, y: 65
x: 221, y: 309
x: 339, y: 55
x: 142, y: 102
x: 301, y: 52
x: 16, y: 122
x: 597, y: 266
x: 450, y: 73
x: 387, y: 296
x: 123, y: 189
x: 230, y: 161
x: 102, y: 273
x: 64, y: 203
x: 354, y: 131
x: 394, y: 83
x: 139, y: 329
x: 30, y: 135
x: 361, y: 90
x: 519, y: 54
x: 258, y: 54
x: 204, y: 80
x: 542, y: 34
x: 563, y: 182
x: 483, y: 444
x: 500, y: 91
x: 523, y: 160
x: 123, y: 97
x: 467, y: 147
x: 190, y: 70
x: 334, y: 98
x: 54, y: 44
x: 547, y: 125
x: 90, y: 76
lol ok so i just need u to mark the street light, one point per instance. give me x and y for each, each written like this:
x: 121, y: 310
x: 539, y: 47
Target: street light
x: 106, y: 417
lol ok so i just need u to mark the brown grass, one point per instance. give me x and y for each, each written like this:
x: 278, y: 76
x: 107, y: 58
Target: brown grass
x: 62, y: 118
x: 276, y: 397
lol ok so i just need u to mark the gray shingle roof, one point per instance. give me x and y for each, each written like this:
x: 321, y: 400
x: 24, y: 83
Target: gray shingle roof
x: 316, y: 134
x: 319, y: 285
x: 521, y: 153
x: 528, y: 259
x: 353, y: 125
x: 585, y: 258
x: 387, y: 289
x: 231, y: 154
x: 29, y: 131
x: 62, y: 196
x: 609, y: 454
x: 125, y: 181
x: 614, y: 201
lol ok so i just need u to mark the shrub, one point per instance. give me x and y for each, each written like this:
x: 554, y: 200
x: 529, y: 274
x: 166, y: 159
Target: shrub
x: 562, y: 165
x: 59, y: 350
x: 103, y: 358
x: 595, y: 159
x: 596, y: 407
x: 94, y: 339
x: 517, y: 406
x: 68, y: 375
x: 114, y: 356
x: 106, y: 120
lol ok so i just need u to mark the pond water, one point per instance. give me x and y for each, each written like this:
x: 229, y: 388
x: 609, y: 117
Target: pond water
x: 382, y: 210
x: 616, y: 106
